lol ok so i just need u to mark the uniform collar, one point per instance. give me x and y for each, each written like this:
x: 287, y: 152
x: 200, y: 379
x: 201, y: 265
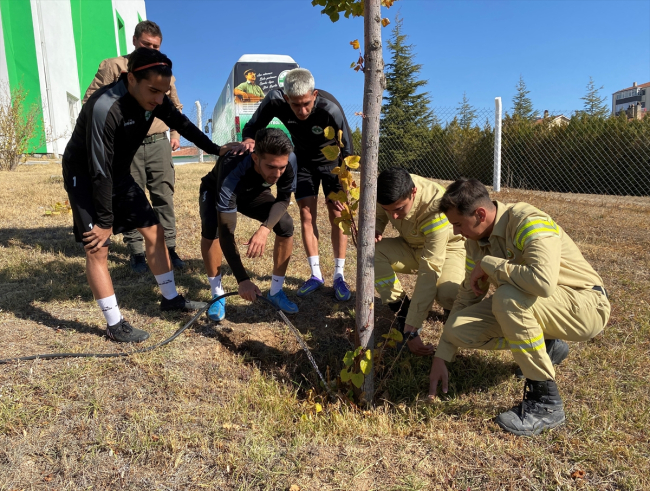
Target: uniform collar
x: 500, y: 224
x: 416, y: 205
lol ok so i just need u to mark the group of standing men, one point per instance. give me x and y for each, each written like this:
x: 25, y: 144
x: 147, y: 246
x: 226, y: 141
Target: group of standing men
x: 456, y: 240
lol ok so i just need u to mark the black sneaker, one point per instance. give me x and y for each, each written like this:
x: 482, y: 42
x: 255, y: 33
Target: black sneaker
x: 180, y: 303
x: 557, y: 350
x: 138, y: 263
x: 541, y: 410
x: 126, y: 333
x: 177, y: 262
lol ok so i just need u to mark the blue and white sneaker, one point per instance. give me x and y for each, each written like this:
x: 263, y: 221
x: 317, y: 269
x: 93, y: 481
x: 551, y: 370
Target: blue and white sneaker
x: 341, y: 290
x: 217, y: 311
x: 281, y: 301
x: 309, y: 286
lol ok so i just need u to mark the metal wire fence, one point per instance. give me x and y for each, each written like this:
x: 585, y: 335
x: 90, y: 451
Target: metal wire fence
x: 563, y: 151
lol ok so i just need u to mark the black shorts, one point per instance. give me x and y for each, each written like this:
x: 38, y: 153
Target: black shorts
x: 310, y: 177
x: 131, y: 209
x: 256, y: 207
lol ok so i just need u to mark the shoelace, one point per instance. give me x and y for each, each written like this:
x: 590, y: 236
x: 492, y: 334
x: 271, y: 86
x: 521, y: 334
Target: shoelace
x: 527, y: 404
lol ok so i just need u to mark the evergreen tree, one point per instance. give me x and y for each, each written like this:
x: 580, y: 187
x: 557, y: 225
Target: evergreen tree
x: 595, y: 105
x: 467, y: 113
x: 522, y: 106
x: 406, y: 117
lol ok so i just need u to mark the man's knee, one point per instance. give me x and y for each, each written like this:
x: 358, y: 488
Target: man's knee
x: 446, y: 295
x: 284, y: 228
x: 508, y: 299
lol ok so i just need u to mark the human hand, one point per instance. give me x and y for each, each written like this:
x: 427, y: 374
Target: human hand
x: 247, y: 145
x: 224, y: 149
x: 96, y: 237
x: 416, y: 345
x: 257, y: 243
x: 378, y: 237
x: 337, y: 205
x: 249, y: 291
x: 439, y: 373
x: 477, y: 275
x: 175, y: 143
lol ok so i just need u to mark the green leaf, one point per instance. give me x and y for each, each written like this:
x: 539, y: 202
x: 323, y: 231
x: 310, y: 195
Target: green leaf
x: 345, y: 375
x: 391, y: 344
x: 348, y: 359
x: 331, y: 153
x: 365, y: 365
x: 357, y: 379
x: 396, y: 335
x: 357, y: 351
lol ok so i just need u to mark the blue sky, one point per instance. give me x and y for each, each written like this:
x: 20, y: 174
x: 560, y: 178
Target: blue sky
x: 477, y: 47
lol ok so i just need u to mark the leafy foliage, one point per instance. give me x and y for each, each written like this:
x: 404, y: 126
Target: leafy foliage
x: 19, y: 124
x: 467, y: 113
x: 522, y: 106
x: 594, y: 104
x: 59, y: 209
x: 334, y: 8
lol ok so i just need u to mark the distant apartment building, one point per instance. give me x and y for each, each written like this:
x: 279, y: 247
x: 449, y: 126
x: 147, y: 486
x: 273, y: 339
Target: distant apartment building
x: 52, y: 48
x: 629, y: 97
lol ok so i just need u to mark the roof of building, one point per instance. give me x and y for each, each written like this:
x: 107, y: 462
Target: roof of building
x: 640, y: 86
x: 185, y: 152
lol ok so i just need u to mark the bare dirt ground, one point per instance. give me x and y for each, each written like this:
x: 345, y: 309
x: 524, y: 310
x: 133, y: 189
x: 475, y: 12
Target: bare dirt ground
x: 222, y: 407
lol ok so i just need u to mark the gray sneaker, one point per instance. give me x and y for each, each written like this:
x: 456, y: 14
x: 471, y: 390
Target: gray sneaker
x: 557, y: 350
x: 126, y: 333
x: 541, y: 410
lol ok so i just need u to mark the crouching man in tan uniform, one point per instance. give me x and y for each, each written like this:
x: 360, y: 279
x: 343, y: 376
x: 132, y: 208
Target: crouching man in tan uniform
x: 426, y: 246
x: 545, y: 291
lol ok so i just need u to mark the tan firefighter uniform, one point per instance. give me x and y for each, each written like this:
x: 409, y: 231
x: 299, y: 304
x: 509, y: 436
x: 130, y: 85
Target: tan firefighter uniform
x: 427, y: 247
x: 545, y: 288
x: 152, y: 166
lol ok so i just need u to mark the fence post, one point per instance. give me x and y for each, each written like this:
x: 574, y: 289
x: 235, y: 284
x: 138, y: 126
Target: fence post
x: 199, y: 123
x: 496, y: 179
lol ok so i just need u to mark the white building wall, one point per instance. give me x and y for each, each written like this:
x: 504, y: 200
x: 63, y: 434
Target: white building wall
x: 57, y: 60
x: 4, y: 73
x: 129, y: 10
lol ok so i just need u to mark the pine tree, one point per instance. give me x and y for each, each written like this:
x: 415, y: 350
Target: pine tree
x: 467, y: 113
x: 595, y: 105
x: 522, y: 106
x: 406, y: 117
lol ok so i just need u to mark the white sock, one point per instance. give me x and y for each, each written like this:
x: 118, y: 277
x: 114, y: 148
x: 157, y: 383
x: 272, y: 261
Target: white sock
x: 215, y: 285
x: 167, y: 285
x: 338, y: 268
x: 110, y: 309
x: 314, y: 264
x: 276, y: 284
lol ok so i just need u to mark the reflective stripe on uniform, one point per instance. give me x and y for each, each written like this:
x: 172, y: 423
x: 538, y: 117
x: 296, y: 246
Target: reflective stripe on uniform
x: 469, y: 264
x: 535, y: 229
x: 435, y: 224
x: 386, y: 282
x: 502, y: 343
x: 535, y: 344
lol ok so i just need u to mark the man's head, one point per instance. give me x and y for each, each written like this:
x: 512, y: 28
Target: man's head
x: 469, y: 209
x: 147, y: 35
x: 271, y: 155
x: 150, y: 75
x: 250, y: 76
x: 396, y: 192
x: 299, y: 92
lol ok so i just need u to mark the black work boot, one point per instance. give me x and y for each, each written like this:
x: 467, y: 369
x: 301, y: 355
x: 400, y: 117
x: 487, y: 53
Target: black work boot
x: 557, y: 350
x: 138, y: 263
x: 177, y: 262
x: 401, y: 308
x: 126, y: 333
x: 180, y: 303
x: 541, y: 410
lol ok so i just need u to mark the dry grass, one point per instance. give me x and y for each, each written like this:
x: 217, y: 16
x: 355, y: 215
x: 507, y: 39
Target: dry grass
x: 221, y: 407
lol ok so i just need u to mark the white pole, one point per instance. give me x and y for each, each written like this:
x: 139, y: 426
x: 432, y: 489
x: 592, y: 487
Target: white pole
x: 496, y: 180
x: 199, y: 123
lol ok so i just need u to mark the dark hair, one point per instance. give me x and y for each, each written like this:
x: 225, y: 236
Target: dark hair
x: 146, y: 56
x: 148, y: 26
x: 465, y: 195
x: 272, y: 141
x: 394, y: 184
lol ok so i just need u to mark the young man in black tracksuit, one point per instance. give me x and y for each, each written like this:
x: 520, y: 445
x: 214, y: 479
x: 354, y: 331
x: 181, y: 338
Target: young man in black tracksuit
x: 105, y: 198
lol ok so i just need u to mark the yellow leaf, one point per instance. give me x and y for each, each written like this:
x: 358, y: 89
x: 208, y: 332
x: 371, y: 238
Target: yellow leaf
x: 340, y: 196
x: 329, y: 133
x: 319, y: 408
x: 355, y: 44
x: 336, y: 170
x: 345, y: 226
x: 341, y: 138
x: 385, y: 21
x: 331, y: 153
x: 345, y: 215
x: 387, y: 3
x: 365, y: 366
x: 345, y: 184
x: 352, y: 161
x: 355, y: 193
x: 303, y: 417
x: 353, y: 64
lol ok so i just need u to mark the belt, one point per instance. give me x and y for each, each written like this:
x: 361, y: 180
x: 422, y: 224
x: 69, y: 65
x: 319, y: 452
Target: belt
x: 600, y: 289
x: 154, y: 138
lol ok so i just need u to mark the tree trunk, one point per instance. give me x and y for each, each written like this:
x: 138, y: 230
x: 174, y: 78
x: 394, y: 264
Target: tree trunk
x: 373, y: 92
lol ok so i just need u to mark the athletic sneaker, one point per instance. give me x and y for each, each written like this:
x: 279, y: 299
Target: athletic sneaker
x: 309, y: 286
x: 557, y: 350
x: 541, y: 409
x: 217, y: 311
x: 180, y: 303
x: 138, y: 263
x: 341, y: 290
x: 281, y: 302
x: 177, y: 262
x: 126, y: 333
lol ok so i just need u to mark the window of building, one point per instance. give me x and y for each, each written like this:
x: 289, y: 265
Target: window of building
x: 73, y: 110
